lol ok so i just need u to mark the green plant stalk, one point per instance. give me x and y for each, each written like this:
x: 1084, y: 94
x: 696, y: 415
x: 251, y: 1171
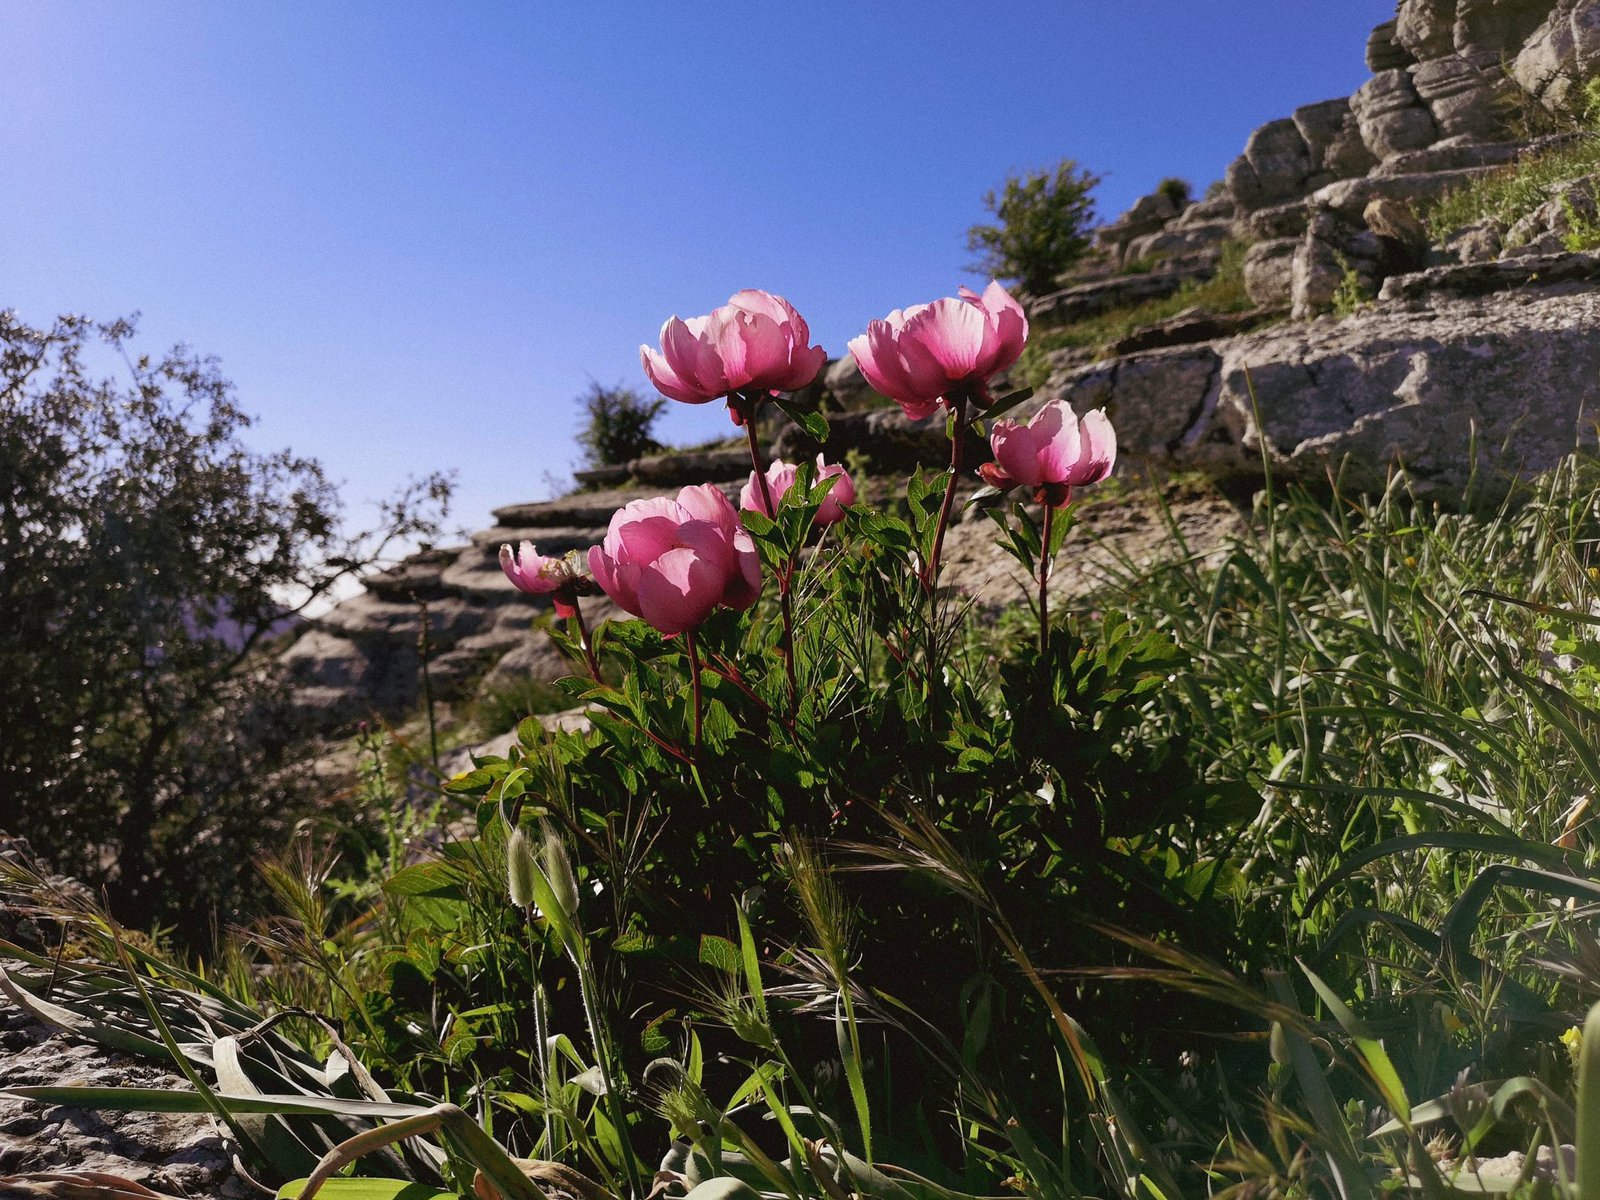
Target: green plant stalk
x: 930, y: 576
x: 1045, y: 559
x: 785, y: 578
x: 584, y: 640
x: 693, y: 650
x: 588, y: 989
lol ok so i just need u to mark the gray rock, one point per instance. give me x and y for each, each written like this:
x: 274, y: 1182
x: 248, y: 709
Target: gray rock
x: 883, y: 437
x: 1274, y: 167
x: 173, y: 1153
x: 1426, y: 28
x: 592, y: 509
x: 1392, y: 116
x: 1384, y: 51
x: 687, y: 468
x: 1479, y: 242
x: 1463, y: 94
x: 1319, y: 124
x: 1347, y: 155
x: 1189, y: 327
x: 609, y: 476
x: 1552, y: 271
x: 1269, y: 272
x: 1561, y: 53
x: 1091, y: 299
x: 1452, y: 155
x: 1351, y: 196
x: 1499, y: 390
x: 1279, y: 221
x: 1152, y: 398
x: 1187, y: 251
x: 1496, y: 28
x: 849, y: 389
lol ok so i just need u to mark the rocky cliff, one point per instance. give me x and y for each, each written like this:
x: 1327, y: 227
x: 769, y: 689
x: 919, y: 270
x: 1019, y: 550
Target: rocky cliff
x: 1476, y: 357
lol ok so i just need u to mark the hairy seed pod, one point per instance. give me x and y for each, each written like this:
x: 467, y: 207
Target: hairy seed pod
x: 520, y: 868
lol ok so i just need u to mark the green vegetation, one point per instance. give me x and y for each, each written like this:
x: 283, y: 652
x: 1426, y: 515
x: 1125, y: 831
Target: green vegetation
x: 1274, y: 875
x: 1352, y: 294
x: 147, y: 552
x: 620, y: 425
x: 1513, y: 192
x: 1224, y: 292
x: 1044, y: 226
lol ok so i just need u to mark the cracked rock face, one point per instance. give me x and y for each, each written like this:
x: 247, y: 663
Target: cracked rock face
x: 1491, y: 371
x: 174, y: 1153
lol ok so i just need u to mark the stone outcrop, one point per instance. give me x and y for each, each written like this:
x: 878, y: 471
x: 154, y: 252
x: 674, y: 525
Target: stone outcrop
x: 1489, y: 371
x: 170, y: 1153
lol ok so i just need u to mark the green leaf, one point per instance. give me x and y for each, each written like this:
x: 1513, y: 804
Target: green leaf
x: 1007, y: 402
x: 719, y: 952
x: 1588, y: 1140
x: 1368, y: 1046
x: 367, y: 1189
x: 810, y: 420
x: 172, y: 1100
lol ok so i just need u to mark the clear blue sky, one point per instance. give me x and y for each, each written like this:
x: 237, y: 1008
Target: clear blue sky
x: 412, y: 232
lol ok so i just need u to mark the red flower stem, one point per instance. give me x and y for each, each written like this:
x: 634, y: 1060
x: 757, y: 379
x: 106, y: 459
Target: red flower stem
x: 1044, y: 582
x: 694, y: 681
x: 786, y: 576
x: 930, y: 576
x: 583, y: 640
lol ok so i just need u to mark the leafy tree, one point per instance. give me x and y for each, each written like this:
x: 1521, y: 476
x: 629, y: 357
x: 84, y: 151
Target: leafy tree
x: 620, y: 425
x: 1044, y: 223
x: 146, y: 555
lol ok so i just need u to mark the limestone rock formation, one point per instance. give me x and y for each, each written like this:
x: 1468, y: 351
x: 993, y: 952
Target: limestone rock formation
x: 1486, y: 370
x: 172, y: 1153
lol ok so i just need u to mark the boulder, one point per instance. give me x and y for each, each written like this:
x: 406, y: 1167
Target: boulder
x: 844, y: 382
x: 1561, y: 53
x: 1552, y: 275
x: 1384, y: 51
x: 1319, y: 124
x: 685, y: 468
x: 1274, y: 167
x: 1189, y: 327
x: 1497, y: 28
x: 1269, y: 272
x: 884, y: 438
x: 1492, y: 369
x: 1426, y: 28
x: 1463, y: 94
x: 1392, y: 116
x: 1347, y: 155
x: 1153, y: 398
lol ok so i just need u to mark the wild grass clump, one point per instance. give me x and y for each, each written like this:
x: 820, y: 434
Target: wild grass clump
x: 1510, y: 193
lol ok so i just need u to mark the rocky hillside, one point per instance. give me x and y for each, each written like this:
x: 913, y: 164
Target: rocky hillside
x: 1206, y: 329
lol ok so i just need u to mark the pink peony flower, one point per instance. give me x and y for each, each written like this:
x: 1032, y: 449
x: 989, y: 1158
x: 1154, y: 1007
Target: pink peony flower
x: 540, y: 575
x: 920, y: 356
x: 780, y: 478
x: 672, y: 562
x: 754, y: 343
x: 1053, y: 453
